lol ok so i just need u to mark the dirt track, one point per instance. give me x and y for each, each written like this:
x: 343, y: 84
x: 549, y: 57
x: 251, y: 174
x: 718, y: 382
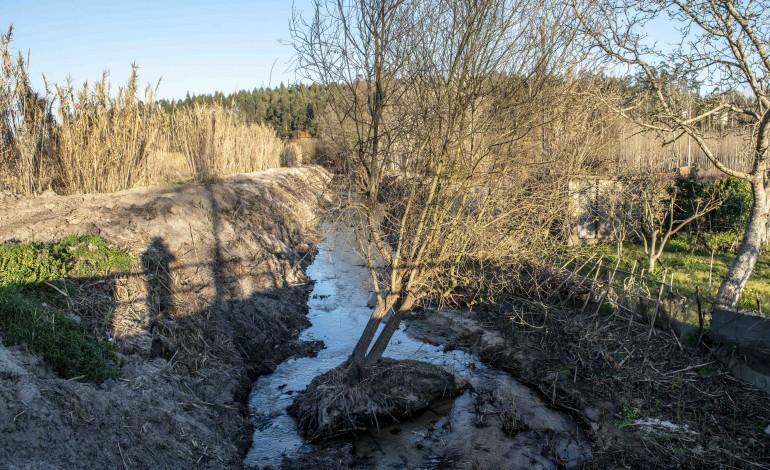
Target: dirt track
x: 216, y: 297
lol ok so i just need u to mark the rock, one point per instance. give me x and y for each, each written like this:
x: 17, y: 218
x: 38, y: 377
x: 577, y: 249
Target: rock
x: 767, y: 430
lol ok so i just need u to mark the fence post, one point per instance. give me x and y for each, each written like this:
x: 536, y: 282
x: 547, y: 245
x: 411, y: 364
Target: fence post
x: 657, y: 304
x: 700, y: 314
x: 591, y: 291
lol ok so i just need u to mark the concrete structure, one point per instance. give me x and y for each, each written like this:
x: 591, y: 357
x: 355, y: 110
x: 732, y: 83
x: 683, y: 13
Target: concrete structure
x: 590, y: 200
x: 744, y: 345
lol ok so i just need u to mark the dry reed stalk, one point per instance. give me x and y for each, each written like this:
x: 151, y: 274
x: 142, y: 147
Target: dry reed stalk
x: 103, y: 140
x: 26, y: 126
x: 291, y: 155
x: 217, y: 143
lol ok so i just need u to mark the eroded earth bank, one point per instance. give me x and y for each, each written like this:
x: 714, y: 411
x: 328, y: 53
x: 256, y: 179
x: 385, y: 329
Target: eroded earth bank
x: 215, y: 297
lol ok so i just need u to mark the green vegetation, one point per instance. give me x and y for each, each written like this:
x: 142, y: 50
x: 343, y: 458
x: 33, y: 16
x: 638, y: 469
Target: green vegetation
x: 33, y: 311
x: 691, y: 265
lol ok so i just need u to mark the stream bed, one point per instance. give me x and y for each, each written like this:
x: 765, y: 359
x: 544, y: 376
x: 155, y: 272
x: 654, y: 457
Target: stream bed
x: 499, y: 423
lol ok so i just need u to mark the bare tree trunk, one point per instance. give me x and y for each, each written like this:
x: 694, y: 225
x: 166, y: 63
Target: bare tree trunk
x: 751, y: 247
x: 387, y: 333
x: 380, y: 310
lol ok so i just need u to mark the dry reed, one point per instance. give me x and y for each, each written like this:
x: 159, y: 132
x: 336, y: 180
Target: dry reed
x: 103, y: 140
x: 26, y: 125
x: 292, y: 155
x: 216, y: 142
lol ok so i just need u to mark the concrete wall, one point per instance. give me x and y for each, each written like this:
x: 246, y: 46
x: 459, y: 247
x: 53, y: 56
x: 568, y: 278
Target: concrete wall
x: 744, y: 344
x: 589, y: 196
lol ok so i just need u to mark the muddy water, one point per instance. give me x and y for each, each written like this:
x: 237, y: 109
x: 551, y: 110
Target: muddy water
x: 460, y: 433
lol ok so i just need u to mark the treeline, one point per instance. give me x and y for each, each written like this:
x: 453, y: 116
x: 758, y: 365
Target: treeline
x: 289, y: 110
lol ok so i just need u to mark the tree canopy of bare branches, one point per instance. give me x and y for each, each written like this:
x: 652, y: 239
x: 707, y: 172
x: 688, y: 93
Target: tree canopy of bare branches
x: 432, y: 100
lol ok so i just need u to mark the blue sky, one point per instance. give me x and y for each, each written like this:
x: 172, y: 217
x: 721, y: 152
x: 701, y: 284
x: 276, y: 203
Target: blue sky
x: 195, y: 46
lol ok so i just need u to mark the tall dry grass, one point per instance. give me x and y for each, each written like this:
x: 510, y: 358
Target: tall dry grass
x: 103, y: 140
x: 292, y: 155
x: 216, y: 142
x: 26, y: 127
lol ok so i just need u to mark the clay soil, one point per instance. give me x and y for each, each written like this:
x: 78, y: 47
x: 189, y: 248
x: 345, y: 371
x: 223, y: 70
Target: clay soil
x: 216, y: 297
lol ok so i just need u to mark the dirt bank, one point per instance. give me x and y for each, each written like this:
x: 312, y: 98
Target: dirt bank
x: 217, y: 295
x: 644, y: 400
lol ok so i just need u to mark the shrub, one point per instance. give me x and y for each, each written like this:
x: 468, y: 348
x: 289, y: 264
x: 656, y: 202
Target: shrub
x: 734, y: 211
x: 291, y: 155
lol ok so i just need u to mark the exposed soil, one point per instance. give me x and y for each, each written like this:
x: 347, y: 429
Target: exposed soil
x: 217, y: 296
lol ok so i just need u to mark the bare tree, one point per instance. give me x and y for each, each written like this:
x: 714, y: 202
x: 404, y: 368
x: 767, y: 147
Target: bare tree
x: 724, y: 50
x: 655, y: 205
x: 432, y: 100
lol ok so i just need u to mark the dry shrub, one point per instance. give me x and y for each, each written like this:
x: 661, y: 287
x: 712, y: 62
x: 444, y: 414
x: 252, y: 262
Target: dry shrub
x: 291, y: 155
x: 26, y: 126
x: 102, y: 141
x: 216, y: 142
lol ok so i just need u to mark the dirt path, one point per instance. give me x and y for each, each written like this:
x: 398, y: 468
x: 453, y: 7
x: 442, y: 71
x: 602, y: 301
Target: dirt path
x: 217, y: 296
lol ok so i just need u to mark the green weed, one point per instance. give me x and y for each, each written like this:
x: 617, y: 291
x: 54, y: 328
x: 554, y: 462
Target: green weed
x: 691, y: 266
x: 629, y: 415
x: 32, y: 313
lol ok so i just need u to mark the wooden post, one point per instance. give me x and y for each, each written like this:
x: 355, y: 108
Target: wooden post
x: 591, y: 288
x: 711, y: 269
x: 700, y: 314
x: 657, y: 304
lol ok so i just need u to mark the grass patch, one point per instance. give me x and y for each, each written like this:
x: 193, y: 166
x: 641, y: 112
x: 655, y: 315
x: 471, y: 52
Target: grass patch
x: 691, y: 269
x: 33, y: 311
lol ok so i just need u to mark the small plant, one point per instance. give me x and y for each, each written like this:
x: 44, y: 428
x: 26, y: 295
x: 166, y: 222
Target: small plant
x: 629, y: 415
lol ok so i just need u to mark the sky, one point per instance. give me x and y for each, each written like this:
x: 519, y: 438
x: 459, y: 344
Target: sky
x: 194, y: 46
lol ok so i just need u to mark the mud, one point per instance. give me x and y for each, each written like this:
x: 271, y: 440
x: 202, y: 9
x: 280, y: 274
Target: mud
x: 217, y: 296
x: 641, y: 398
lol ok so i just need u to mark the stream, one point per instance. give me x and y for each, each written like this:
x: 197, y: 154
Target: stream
x: 455, y: 433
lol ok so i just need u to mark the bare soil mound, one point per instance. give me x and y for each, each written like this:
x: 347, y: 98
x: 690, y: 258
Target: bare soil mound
x: 217, y: 296
x: 335, y: 403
